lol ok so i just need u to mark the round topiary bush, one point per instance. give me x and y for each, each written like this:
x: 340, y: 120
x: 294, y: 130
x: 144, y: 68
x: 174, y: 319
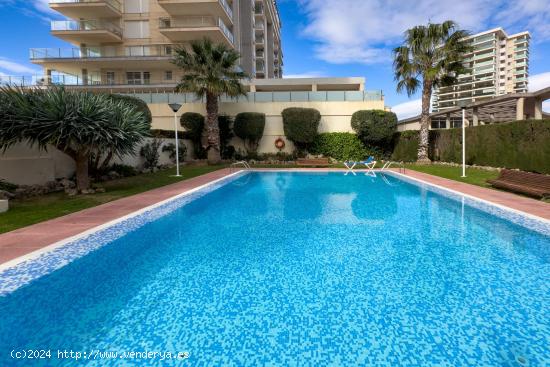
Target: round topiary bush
x: 300, y: 125
x: 249, y: 126
x: 374, y: 127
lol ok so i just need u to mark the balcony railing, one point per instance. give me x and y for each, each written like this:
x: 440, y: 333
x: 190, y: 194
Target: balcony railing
x: 99, y: 52
x: 196, y: 22
x: 85, y: 25
x: 114, y: 3
x: 227, y: 8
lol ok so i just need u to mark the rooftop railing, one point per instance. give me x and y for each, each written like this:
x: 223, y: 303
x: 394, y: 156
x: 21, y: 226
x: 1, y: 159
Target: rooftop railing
x: 85, y: 25
x: 114, y: 3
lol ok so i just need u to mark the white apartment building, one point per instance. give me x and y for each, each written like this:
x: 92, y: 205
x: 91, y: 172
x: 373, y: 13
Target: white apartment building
x: 131, y: 42
x: 499, y: 65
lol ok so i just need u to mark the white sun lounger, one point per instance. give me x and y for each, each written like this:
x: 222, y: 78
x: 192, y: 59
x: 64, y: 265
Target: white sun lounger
x: 370, y: 163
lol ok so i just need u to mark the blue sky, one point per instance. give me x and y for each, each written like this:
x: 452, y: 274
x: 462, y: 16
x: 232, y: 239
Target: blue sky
x: 328, y: 37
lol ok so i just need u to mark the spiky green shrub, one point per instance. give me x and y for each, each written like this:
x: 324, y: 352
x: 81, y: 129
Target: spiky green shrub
x: 301, y: 125
x: 250, y: 126
x: 340, y: 146
x: 75, y: 122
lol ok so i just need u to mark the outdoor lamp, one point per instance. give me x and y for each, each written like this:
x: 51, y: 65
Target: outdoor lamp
x: 176, y: 107
x: 462, y: 105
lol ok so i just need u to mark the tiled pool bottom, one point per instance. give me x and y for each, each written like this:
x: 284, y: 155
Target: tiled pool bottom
x: 299, y: 269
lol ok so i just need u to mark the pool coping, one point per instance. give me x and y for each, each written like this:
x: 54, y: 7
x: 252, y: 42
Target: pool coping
x: 163, y: 194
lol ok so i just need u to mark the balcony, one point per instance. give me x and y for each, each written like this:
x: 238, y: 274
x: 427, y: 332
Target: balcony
x: 90, y: 9
x: 188, y: 28
x: 215, y: 8
x: 86, y: 31
x: 107, y: 56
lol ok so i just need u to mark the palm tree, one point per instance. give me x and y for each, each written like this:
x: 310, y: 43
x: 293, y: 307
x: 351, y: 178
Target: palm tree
x: 210, y: 70
x: 431, y: 56
x: 77, y: 123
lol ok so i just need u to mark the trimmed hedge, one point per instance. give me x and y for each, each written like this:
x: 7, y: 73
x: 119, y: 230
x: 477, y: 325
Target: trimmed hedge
x: 250, y: 126
x: 523, y: 145
x: 405, y: 146
x: 300, y: 125
x: 193, y: 123
x: 374, y: 127
x: 340, y: 146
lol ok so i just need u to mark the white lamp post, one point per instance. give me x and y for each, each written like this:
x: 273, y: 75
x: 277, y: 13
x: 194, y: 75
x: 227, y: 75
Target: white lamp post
x: 462, y: 105
x: 176, y: 107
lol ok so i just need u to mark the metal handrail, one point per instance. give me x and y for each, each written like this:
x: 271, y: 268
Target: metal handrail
x: 242, y: 163
x: 388, y: 164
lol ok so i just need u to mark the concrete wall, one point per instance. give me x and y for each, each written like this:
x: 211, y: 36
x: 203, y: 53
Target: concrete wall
x: 25, y: 165
x: 335, y: 117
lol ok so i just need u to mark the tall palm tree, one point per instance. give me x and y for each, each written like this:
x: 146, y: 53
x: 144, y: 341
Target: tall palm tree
x: 210, y: 70
x: 431, y: 56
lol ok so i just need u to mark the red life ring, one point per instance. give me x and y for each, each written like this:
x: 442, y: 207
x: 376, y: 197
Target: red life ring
x: 279, y: 143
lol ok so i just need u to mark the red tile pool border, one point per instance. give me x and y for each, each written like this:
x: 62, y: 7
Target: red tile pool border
x: 23, y: 241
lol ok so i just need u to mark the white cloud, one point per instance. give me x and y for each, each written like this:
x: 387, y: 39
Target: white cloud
x: 539, y: 81
x: 14, y: 67
x: 365, y: 31
x: 408, y: 109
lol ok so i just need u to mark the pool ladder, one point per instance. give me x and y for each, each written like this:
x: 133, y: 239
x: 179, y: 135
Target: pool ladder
x: 388, y: 164
x: 239, y: 163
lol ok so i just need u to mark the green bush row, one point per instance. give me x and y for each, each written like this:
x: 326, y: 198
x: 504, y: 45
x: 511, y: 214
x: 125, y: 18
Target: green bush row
x: 523, y: 145
x: 340, y: 146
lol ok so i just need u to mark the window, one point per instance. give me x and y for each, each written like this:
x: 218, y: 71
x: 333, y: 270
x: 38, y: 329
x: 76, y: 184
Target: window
x: 168, y: 75
x: 110, y: 77
x: 138, y: 77
x: 439, y: 124
x: 136, y: 6
x: 136, y: 29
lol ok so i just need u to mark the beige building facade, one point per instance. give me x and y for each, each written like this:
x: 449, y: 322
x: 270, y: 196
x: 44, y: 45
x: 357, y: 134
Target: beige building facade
x: 131, y: 42
x: 499, y: 65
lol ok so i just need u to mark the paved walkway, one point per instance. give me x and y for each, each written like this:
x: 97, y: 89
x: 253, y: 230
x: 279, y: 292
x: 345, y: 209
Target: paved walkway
x: 26, y: 240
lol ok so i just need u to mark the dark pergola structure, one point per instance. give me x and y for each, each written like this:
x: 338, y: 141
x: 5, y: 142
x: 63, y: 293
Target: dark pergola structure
x: 505, y: 108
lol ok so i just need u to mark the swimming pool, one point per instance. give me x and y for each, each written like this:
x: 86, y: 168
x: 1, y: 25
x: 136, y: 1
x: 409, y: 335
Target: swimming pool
x: 292, y: 268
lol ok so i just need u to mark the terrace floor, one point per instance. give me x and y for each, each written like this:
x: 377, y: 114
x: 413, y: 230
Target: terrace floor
x: 26, y: 240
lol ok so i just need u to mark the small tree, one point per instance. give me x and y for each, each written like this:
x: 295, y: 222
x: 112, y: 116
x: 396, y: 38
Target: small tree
x: 249, y: 126
x: 171, y: 149
x: 193, y: 123
x: 374, y: 127
x: 301, y: 125
x: 75, y: 122
x: 150, y: 153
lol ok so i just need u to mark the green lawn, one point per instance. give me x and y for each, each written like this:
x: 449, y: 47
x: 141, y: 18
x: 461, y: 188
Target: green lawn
x: 26, y: 212
x: 474, y: 176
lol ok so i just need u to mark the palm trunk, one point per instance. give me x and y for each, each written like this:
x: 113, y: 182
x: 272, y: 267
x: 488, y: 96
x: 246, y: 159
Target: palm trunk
x: 425, y: 123
x: 212, y: 129
x: 82, y: 178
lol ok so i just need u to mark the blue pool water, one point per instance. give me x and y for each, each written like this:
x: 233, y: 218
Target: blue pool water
x: 295, y: 269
